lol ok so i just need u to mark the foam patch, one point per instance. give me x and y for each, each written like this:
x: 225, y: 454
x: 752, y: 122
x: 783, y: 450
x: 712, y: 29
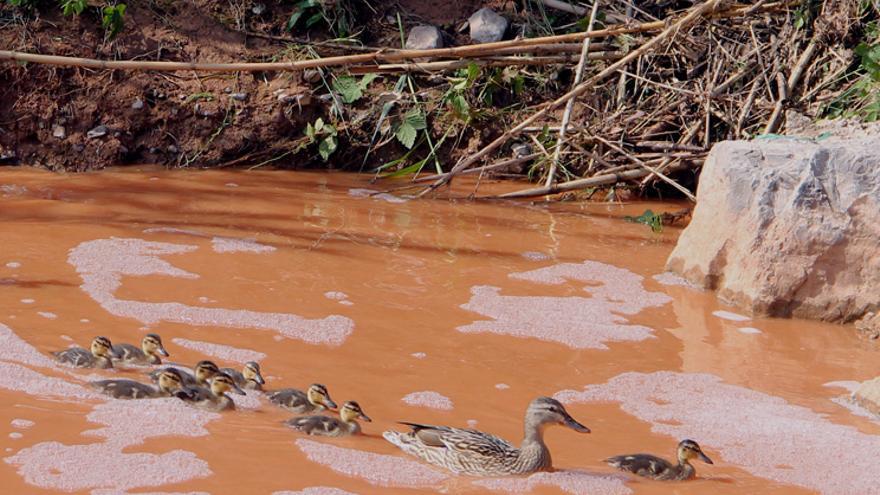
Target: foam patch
x: 28, y: 300
x: 20, y: 379
x: 576, y: 482
x: 749, y: 330
x: 47, y: 314
x: 671, y: 279
x: 428, y: 398
x: 316, y: 490
x: 535, y: 256
x: 578, y: 322
x: 785, y: 443
x: 419, y: 355
x: 129, y: 423
x: 21, y: 424
x: 102, y: 263
x: 373, y: 194
x: 375, y: 469
x: 13, y: 264
x: 727, y: 315
x: 232, y: 245
x: 220, y: 351
x: 13, y: 348
x: 336, y: 295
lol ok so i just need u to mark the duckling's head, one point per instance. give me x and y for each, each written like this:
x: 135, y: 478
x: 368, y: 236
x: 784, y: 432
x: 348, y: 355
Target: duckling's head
x: 251, y: 371
x: 102, y: 348
x: 319, y: 396
x: 547, y: 411
x: 204, y: 370
x: 689, y: 449
x: 222, y: 383
x: 152, y: 345
x: 351, y: 411
x: 169, y: 380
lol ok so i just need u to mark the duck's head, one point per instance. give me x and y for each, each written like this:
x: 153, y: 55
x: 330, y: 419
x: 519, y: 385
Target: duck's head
x: 351, y: 411
x: 152, y: 345
x: 169, y: 380
x: 319, y: 396
x: 204, y: 370
x: 251, y: 371
x: 222, y: 383
x: 547, y: 411
x: 689, y: 449
x: 102, y: 347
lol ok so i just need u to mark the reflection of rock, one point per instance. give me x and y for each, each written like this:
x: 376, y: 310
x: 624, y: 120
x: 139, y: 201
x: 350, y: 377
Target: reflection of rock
x: 868, y: 395
x: 788, y: 227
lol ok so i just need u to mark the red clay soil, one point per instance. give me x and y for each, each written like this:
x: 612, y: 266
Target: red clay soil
x: 177, y: 119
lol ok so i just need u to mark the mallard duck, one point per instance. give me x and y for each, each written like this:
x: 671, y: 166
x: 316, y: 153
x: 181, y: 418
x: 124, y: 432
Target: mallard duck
x: 249, y: 378
x: 656, y: 468
x: 148, y: 353
x: 326, y: 426
x: 169, y: 384
x: 316, y: 399
x: 466, y: 451
x: 200, y: 376
x: 98, y: 357
x: 213, y: 398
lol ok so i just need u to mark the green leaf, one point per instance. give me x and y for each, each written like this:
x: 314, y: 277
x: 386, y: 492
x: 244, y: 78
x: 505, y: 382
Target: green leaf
x: 327, y: 147
x: 294, y: 17
x: 415, y: 119
x: 113, y: 19
x: 460, y: 107
x: 411, y: 169
x: 73, y: 7
x: 366, y: 80
x: 406, y: 134
x: 348, y: 88
x: 319, y: 124
x: 648, y: 218
x: 314, y: 19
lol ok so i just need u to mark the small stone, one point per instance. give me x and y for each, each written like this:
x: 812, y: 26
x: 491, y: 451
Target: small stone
x: 238, y: 96
x: 97, y: 132
x: 227, y: 90
x: 59, y: 132
x: 312, y: 75
x: 258, y: 9
x: 155, y: 151
x: 487, y: 26
x: 424, y: 37
x: 171, y: 148
x: 520, y: 150
x: 138, y: 104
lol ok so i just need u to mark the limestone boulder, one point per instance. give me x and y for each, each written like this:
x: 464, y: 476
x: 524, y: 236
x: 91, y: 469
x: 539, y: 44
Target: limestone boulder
x: 424, y: 37
x: 789, y: 226
x: 868, y: 395
x: 487, y: 26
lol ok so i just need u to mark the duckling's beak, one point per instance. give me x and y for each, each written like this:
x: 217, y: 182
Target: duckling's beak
x: 238, y: 390
x: 162, y: 352
x: 574, y: 425
x: 329, y: 402
x: 365, y: 417
x: 259, y: 379
x: 705, y: 458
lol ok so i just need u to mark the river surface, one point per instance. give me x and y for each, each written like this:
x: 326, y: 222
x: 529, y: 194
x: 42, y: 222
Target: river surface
x: 440, y: 312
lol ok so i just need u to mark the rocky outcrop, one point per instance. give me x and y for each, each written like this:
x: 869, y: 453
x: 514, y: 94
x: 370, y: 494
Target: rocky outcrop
x: 868, y: 395
x: 789, y: 226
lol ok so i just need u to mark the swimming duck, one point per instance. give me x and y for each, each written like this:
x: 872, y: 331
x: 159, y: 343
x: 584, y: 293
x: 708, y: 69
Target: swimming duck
x: 326, y: 426
x: 466, y: 451
x: 213, y: 398
x: 656, y: 468
x: 200, y: 376
x: 98, y: 357
x: 168, y: 384
x: 316, y: 399
x: 249, y: 378
x: 149, y: 352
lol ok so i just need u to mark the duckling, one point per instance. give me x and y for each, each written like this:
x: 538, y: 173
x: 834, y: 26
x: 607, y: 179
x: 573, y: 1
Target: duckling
x: 149, y: 352
x: 298, y: 402
x: 326, y: 426
x: 98, y: 357
x: 656, y: 468
x: 472, y: 452
x: 202, y: 372
x: 249, y: 378
x: 169, y: 384
x: 213, y: 398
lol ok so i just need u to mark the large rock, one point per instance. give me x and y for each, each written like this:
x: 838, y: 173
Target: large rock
x: 789, y: 226
x: 424, y: 38
x: 868, y: 395
x: 486, y: 26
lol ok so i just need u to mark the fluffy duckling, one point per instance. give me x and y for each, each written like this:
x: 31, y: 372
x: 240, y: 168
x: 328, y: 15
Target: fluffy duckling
x: 213, y: 398
x: 249, y: 378
x: 472, y: 452
x: 98, y: 357
x: 316, y: 399
x: 326, y: 426
x: 149, y: 352
x: 656, y: 468
x: 202, y: 373
x: 169, y: 384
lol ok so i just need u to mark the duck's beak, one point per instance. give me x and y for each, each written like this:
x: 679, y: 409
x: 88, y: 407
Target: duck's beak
x: 705, y: 458
x: 574, y: 425
x: 238, y: 390
x: 259, y: 379
x: 329, y: 402
x: 162, y: 352
x: 365, y: 417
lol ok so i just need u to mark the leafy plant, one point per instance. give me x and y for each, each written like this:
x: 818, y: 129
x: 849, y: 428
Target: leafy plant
x: 648, y: 218
x: 325, y: 135
x: 23, y: 4
x: 113, y: 19
x: 407, y: 129
x: 336, y: 14
x: 310, y: 9
x: 350, y: 89
x: 73, y: 7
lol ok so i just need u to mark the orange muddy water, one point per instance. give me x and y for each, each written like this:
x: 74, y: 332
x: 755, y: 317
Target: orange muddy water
x: 439, y: 312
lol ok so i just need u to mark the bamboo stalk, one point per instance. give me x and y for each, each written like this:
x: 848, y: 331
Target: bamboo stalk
x: 482, y: 62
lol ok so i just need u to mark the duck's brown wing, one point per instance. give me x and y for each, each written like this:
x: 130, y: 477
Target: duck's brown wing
x: 75, y: 356
x: 124, y: 389
x: 465, y: 441
x: 290, y: 399
x: 642, y: 464
x: 315, y: 425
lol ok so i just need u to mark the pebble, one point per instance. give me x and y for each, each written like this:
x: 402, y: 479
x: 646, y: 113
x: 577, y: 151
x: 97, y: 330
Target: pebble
x: 311, y: 75
x: 238, y: 96
x: 138, y: 104
x: 59, y: 132
x: 97, y: 132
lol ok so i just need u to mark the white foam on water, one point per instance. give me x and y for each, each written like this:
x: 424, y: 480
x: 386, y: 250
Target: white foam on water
x: 15, y: 435
x: 129, y: 422
x: 231, y: 184
x: 84, y: 320
x: 429, y: 398
x: 373, y: 194
x: 535, y: 256
x: 21, y: 424
x: 13, y: 264
x: 103, y: 262
x: 336, y: 296
x: 762, y: 434
x: 849, y: 385
x: 472, y: 423
x: 419, y: 355
x: 18, y: 378
x: 124, y: 492
x: 13, y: 348
x: 66, y: 338
x: 346, y: 303
x: 749, y: 330
x: 249, y: 402
x: 316, y: 490
x: 220, y: 351
x: 502, y: 386
x: 28, y: 301
x: 727, y: 315
x: 47, y: 314
x: 233, y: 245
x: 578, y: 322
x: 671, y: 279
x: 375, y: 469
x: 576, y: 482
